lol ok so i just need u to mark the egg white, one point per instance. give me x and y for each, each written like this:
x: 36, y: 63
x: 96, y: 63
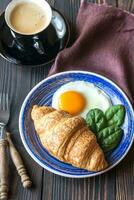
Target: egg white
x: 95, y: 97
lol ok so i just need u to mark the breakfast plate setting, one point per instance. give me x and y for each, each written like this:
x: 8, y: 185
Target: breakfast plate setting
x: 66, y: 100
x: 107, y: 115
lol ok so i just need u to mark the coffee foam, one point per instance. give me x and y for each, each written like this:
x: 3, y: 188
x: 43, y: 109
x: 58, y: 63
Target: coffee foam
x: 41, y: 19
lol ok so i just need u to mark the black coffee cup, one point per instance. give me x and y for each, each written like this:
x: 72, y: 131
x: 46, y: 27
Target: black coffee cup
x: 32, y: 42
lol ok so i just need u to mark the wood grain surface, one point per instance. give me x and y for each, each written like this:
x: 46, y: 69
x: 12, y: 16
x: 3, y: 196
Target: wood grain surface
x: 114, y: 185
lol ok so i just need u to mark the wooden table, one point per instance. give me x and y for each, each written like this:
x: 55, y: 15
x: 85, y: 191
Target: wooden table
x: 115, y: 185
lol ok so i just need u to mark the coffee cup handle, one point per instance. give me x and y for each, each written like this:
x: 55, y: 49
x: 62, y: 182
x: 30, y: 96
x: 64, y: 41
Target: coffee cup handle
x: 59, y: 24
x: 60, y: 28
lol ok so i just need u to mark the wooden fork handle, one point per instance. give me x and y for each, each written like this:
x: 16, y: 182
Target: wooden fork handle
x: 16, y: 158
x: 3, y: 170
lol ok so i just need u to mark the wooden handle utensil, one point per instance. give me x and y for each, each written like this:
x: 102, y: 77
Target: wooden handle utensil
x: 3, y: 170
x: 18, y: 163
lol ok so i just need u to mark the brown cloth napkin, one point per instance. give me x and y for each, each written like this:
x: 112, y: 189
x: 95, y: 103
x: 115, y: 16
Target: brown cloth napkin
x: 104, y: 44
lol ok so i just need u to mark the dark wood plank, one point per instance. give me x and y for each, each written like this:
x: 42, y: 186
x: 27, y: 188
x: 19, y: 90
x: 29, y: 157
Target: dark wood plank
x: 60, y: 188
x: 112, y: 2
x: 132, y: 6
x: 125, y: 181
x: 126, y: 5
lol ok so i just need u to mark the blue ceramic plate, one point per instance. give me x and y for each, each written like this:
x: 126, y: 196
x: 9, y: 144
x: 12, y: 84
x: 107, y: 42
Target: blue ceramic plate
x: 42, y: 94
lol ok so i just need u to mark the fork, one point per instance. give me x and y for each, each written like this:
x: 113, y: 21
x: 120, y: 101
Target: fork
x: 4, y: 140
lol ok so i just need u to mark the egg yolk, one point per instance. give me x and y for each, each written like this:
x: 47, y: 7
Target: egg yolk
x: 71, y: 101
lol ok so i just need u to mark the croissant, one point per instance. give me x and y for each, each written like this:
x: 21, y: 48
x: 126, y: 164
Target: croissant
x: 68, y: 138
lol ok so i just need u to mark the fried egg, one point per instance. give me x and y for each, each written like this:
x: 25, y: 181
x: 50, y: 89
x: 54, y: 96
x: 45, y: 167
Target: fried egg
x: 78, y: 97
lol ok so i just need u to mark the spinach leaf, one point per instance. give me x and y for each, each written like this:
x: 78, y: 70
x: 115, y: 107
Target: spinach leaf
x: 109, y: 137
x: 115, y: 115
x: 107, y: 126
x: 96, y: 120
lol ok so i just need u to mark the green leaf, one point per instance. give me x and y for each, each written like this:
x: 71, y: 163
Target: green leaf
x: 96, y: 120
x: 109, y: 137
x: 107, y: 126
x: 115, y: 115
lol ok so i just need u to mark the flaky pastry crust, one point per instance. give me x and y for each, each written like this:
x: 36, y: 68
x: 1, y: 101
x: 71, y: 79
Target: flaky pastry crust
x: 68, y: 138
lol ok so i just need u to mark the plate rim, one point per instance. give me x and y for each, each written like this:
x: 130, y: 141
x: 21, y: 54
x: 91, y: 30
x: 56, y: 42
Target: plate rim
x: 55, y: 171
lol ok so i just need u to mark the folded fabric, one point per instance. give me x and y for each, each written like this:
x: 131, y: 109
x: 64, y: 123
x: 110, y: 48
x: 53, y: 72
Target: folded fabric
x: 104, y: 44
